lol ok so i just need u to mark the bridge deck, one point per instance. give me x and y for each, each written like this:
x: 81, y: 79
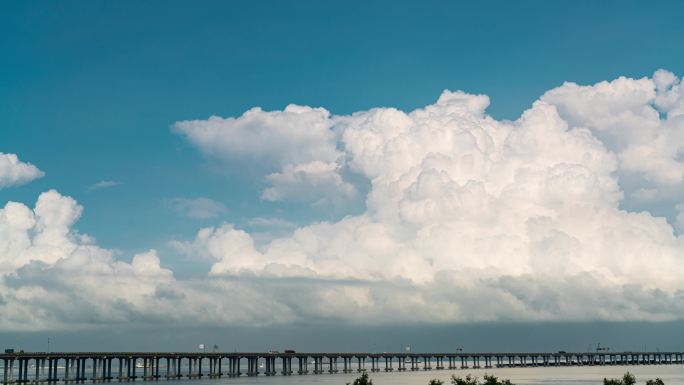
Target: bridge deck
x: 70, y: 367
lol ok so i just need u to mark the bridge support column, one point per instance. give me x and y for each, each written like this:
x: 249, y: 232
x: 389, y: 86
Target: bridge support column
x: 155, y: 365
x: 464, y: 362
x: 26, y: 369
x: 303, y: 368
x: 388, y: 364
x: 199, y: 367
x: 67, y: 369
x: 5, y: 371
x: 48, y: 375
x: 37, y: 367
x: 272, y: 361
x: 77, y: 377
x: 427, y: 363
x: 120, y: 369
x: 20, y: 379
x: 133, y: 365
x: 146, y: 365
x: 252, y: 366
x: 361, y: 364
x: 235, y: 367
x: 488, y: 362
x: 109, y: 369
x: 401, y: 363
x: 332, y: 364
x: 95, y: 362
x: 374, y: 364
x: 318, y: 365
x: 347, y: 365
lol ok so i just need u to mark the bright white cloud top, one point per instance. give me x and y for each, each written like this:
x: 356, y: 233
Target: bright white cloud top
x: 467, y: 219
x: 14, y: 172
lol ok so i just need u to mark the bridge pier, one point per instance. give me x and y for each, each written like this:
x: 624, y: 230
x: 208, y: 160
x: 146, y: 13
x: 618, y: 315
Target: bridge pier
x: 332, y: 364
x: 318, y: 365
x: 427, y: 363
x: 21, y: 371
x: 362, y: 363
x: 375, y: 364
x: 347, y: 365
x: 388, y: 364
x: 287, y: 366
x: 440, y: 363
x: 303, y: 365
x: 272, y: 365
x: 252, y: 366
x: 5, y: 363
x: 55, y: 375
x: 401, y: 363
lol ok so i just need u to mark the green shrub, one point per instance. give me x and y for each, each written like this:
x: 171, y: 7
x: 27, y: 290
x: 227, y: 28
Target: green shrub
x: 435, y: 381
x: 363, y: 380
x: 629, y: 379
x: 470, y: 380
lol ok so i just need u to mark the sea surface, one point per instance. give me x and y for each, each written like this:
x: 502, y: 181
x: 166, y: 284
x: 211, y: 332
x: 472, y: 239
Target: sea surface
x: 670, y: 374
x: 570, y: 375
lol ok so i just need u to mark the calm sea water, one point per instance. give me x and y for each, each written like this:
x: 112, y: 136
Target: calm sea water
x: 572, y: 375
x: 671, y: 374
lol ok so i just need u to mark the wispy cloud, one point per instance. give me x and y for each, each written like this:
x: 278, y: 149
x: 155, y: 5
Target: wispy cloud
x: 103, y: 184
x: 270, y: 223
x: 198, y: 208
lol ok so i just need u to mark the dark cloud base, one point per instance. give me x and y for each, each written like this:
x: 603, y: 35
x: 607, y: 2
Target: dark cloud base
x: 625, y: 336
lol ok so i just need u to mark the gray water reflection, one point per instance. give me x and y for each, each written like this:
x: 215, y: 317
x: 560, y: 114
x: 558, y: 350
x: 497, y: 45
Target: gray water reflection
x: 671, y: 374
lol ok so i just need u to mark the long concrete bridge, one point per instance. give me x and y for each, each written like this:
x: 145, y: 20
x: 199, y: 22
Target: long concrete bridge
x: 50, y: 368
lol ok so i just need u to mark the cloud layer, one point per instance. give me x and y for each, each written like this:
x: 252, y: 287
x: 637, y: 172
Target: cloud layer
x: 467, y: 219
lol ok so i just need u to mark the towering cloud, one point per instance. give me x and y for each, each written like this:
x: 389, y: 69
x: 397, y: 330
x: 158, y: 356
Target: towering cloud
x: 525, y: 213
x: 467, y: 218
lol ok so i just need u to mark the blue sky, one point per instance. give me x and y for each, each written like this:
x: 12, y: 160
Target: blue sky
x: 91, y: 91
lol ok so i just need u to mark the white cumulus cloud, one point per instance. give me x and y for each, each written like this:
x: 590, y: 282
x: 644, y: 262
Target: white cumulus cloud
x: 525, y: 216
x: 296, y: 147
x: 467, y: 218
x: 14, y: 172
